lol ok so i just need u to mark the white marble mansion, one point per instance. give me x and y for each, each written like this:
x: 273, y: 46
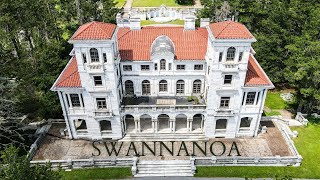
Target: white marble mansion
x: 163, y: 81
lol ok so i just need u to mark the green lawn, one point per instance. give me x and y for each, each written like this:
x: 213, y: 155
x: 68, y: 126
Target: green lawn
x: 120, y: 3
x: 149, y: 22
x: 153, y: 3
x: 274, y: 101
x: 308, y: 145
x: 97, y: 173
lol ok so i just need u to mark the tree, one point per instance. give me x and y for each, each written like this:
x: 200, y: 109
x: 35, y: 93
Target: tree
x: 223, y: 13
x: 15, y: 167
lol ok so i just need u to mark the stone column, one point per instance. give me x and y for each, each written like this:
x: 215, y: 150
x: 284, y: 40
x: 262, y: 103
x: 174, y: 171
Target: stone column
x: 189, y: 124
x: 172, y: 124
x: 155, y: 124
x: 137, y: 124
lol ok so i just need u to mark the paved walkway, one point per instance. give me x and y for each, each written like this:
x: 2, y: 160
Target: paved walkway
x: 127, y: 5
x: 267, y: 144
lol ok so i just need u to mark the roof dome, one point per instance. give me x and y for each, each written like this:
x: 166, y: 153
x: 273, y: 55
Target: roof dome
x: 162, y: 45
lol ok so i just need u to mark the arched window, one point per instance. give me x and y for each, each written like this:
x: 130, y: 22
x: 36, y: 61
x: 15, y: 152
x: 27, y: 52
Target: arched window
x: 221, y: 124
x: 129, y: 87
x: 197, y: 86
x: 245, y: 122
x: 163, y: 86
x: 231, y: 53
x: 80, y: 125
x: 105, y: 126
x: 180, y: 87
x: 94, y: 55
x: 145, y: 87
x: 162, y: 64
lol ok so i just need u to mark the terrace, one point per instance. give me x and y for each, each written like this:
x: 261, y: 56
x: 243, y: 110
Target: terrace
x: 163, y: 104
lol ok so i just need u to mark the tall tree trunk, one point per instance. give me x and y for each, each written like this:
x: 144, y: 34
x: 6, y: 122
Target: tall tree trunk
x: 79, y: 12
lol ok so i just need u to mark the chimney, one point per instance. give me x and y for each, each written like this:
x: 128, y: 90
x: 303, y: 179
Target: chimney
x: 204, y: 22
x: 189, y: 23
x: 135, y: 23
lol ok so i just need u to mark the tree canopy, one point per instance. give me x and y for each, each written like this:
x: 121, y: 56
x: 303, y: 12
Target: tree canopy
x: 34, y: 50
x: 287, y: 46
x: 14, y: 167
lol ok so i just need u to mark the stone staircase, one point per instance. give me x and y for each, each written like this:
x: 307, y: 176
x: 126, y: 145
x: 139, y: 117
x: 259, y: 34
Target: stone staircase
x: 164, y: 168
x: 164, y: 137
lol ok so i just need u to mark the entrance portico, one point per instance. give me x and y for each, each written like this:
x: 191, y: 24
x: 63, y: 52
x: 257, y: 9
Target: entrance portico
x: 163, y: 123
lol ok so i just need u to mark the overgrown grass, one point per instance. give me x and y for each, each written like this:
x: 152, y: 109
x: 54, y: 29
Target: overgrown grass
x: 149, y: 22
x: 308, y: 146
x: 153, y: 3
x: 120, y: 3
x: 97, y: 173
x: 272, y: 113
x: 274, y: 101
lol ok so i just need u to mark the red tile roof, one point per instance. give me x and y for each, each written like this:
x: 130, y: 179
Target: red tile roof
x: 255, y: 75
x: 94, y: 31
x: 70, y: 76
x: 136, y: 44
x: 230, y: 30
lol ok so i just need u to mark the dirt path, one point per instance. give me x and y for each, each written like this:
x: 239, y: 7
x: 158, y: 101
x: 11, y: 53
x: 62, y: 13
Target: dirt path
x: 285, y: 113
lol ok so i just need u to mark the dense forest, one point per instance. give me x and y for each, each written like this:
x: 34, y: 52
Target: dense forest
x: 34, y: 47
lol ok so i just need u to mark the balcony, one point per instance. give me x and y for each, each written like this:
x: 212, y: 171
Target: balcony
x: 161, y: 104
x: 95, y: 68
x: 103, y: 113
x: 229, y: 67
x: 224, y: 111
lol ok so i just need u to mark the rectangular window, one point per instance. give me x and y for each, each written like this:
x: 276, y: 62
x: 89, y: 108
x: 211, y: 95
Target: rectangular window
x: 220, y: 56
x: 170, y: 66
x: 104, y: 57
x: 240, y: 56
x: 101, y: 103
x: 84, y: 57
x: 224, y: 103
x: 156, y: 66
x: 127, y: 67
x: 97, y: 80
x: 227, y: 79
x: 181, y: 67
x: 75, y: 101
x: 250, y: 98
x: 198, y: 67
x: 145, y: 67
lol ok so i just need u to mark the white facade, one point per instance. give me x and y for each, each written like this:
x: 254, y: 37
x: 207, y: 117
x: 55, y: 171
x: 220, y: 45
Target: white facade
x: 153, y: 96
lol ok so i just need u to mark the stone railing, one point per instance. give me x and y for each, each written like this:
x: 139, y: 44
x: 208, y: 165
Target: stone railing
x: 301, y: 118
x: 162, y: 108
x: 87, y: 163
x: 248, y: 161
x: 289, y: 141
x: 34, y: 147
x: 94, y: 68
